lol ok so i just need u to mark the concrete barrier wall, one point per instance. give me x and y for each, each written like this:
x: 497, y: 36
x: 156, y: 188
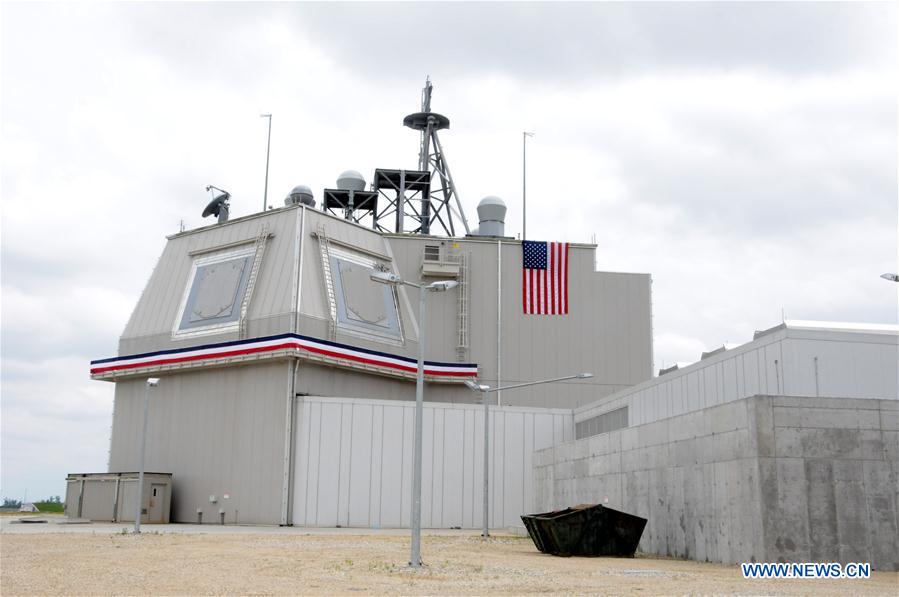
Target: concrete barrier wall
x: 766, y: 478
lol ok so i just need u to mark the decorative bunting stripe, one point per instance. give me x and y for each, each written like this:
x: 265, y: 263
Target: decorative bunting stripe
x: 271, y: 344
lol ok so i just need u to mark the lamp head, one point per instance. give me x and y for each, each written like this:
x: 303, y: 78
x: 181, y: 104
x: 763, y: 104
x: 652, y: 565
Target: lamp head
x: 152, y: 382
x: 584, y: 375
x: 473, y: 385
x: 442, y: 285
x: 386, y: 278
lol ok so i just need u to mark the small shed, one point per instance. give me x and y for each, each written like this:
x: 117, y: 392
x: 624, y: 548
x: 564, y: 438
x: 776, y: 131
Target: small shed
x: 110, y: 497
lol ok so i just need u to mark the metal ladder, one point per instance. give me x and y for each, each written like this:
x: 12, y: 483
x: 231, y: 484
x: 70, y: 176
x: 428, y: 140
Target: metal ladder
x: 324, y: 246
x: 462, y: 308
x: 258, y: 253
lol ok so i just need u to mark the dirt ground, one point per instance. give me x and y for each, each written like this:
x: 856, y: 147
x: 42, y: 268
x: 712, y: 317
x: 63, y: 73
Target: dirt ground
x: 265, y: 564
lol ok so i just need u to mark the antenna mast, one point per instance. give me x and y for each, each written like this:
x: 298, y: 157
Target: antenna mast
x: 436, y: 206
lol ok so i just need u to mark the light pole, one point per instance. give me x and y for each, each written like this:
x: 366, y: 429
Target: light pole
x: 524, y: 183
x: 484, y: 390
x: 267, y: 152
x: 441, y: 286
x: 152, y: 382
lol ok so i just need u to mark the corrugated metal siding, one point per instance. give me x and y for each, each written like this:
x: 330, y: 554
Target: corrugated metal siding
x: 849, y: 365
x: 218, y: 431
x: 353, y: 462
x: 607, y: 331
x: 151, y: 323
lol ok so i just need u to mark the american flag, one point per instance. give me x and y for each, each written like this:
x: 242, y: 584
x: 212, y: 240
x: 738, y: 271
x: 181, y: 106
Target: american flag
x: 544, y: 278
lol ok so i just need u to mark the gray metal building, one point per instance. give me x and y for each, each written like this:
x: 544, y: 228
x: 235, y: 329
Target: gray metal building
x: 240, y: 319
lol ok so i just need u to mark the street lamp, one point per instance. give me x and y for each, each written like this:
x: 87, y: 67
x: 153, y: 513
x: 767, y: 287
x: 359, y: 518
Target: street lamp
x: 891, y: 277
x: 484, y: 390
x: 152, y: 382
x: 440, y: 286
x: 524, y: 183
x: 268, y: 149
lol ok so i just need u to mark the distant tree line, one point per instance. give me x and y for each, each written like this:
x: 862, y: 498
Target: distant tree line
x: 14, y: 503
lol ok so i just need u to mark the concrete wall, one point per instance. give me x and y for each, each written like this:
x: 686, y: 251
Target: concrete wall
x: 766, y: 478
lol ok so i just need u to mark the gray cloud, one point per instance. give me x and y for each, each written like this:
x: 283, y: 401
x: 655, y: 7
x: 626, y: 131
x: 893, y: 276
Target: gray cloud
x: 744, y: 154
x: 602, y: 39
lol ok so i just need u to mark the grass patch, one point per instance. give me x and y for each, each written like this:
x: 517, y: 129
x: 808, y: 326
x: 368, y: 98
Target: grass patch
x: 55, y: 507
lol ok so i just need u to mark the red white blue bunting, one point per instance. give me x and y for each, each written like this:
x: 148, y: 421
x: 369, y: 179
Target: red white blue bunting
x: 334, y: 353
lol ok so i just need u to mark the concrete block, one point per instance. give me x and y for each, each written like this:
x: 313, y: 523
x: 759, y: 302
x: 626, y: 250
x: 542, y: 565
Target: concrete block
x: 542, y: 458
x: 694, y: 539
x: 881, y: 486
x: 727, y: 417
x: 889, y: 405
x: 822, y: 513
x: 817, y: 402
x: 891, y: 445
x: 828, y: 418
x: 721, y: 508
x: 564, y: 470
x: 851, y: 510
x: 629, y: 438
x: 565, y: 452
x: 687, y: 452
x: 790, y: 540
x: 726, y: 446
x: 676, y: 534
x: 687, y: 426
x: 599, y: 444
x: 793, y: 442
x: 747, y: 536
x: 610, y: 488
x: 767, y: 509
x: 579, y: 468
x: 761, y: 424
x: 651, y: 434
x: 600, y: 465
x: 889, y: 420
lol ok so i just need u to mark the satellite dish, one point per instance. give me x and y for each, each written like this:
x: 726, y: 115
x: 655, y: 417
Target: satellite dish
x: 218, y: 207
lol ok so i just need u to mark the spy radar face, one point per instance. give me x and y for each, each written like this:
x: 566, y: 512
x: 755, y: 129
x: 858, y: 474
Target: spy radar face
x: 216, y: 293
x: 362, y: 307
x: 217, y: 287
x: 364, y: 298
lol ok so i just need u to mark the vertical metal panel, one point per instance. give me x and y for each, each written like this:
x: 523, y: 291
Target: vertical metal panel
x: 217, y: 431
x: 393, y: 448
x: 453, y: 478
x: 370, y: 443
x: 360, y: 470
x: 376, y: 460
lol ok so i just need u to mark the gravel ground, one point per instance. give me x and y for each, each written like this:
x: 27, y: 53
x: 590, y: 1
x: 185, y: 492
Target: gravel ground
x: 277, y: 563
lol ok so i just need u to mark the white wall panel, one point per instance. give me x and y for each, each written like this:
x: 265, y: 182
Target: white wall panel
x: 849, y: 364
x: 353, y: 465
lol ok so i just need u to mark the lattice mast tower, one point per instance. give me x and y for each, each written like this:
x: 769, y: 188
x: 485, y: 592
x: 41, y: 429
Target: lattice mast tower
x: 436, y: 207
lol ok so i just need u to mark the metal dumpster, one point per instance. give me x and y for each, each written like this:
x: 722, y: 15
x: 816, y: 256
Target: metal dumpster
x: 585, y: 530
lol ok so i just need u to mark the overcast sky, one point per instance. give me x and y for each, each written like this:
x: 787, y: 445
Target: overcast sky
x: 743, y: 154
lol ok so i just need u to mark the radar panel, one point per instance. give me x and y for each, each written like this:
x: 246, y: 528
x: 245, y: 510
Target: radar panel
x: 215, y: 293
x: 363, y: 307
